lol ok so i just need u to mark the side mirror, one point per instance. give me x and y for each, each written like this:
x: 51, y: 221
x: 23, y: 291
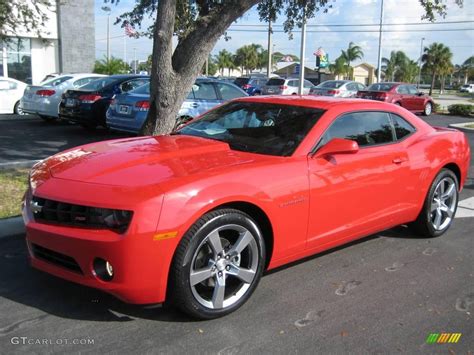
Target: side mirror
x: 420, y: 93
x: 337, y: 146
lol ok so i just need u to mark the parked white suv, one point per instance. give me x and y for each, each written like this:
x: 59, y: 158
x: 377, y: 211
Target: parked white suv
x: 467, y: 88
x: 280, y: 86
x: 11, y: 91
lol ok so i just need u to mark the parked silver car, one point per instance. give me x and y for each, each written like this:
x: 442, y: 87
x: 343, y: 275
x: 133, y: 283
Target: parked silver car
x: 337, y: 88
x: 280, y: 86
x: 44, y: 99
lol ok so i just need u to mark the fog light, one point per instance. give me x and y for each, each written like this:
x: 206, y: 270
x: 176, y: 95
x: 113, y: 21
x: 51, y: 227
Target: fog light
x: 109, y: 269
x: 103, y: 269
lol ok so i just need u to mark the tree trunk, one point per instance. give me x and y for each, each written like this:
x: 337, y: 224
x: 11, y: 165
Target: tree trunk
x: 174, y: 73
x: 443, y: 81
x: 433, y: 78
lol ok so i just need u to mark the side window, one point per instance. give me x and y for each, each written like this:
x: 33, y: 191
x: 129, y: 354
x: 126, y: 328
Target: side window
x: 352, y: 87
x: 412, y: 90
x: 402, y: 89
x: 360, y: 86
x: 132, y: 84
x: 402, y: 127
x: 190, y: 95
x: 204, y: 91
x: 84, y: 81
x: 366, y: 128
x: 228, y: 92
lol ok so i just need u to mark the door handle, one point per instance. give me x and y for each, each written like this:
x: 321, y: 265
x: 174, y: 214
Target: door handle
x: 399, y: 160
x: 195, y: 105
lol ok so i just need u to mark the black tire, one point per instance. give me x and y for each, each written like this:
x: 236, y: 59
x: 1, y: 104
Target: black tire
x: 428, y: 109
x: 184, y: 295
x: 17, y: 110
x: 424, y: 224
x: 398, y: 104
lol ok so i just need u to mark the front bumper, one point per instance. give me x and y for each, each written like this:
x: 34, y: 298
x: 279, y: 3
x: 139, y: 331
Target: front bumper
x: 140, y: 263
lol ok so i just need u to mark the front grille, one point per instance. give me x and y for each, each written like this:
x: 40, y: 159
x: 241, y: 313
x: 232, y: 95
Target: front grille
x: 56, y: 258
x: 50, y: 211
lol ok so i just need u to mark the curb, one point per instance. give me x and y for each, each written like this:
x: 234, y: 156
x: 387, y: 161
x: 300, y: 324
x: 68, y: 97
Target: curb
x: 12, y: 226
x: 18, y: 164
x: 462, y: 126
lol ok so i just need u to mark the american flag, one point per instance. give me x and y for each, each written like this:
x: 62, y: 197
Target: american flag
x: 320, y: 52
x: 130, y: 31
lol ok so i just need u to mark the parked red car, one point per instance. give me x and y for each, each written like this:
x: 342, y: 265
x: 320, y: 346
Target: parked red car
x: 405, y: 95
x: 195, y: 217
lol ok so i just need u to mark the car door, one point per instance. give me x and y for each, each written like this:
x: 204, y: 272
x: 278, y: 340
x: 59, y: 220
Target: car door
x: 405, y: 98
x: 355, y: 194
x: 205, y: 97
x: 352, y: 89
x: 416, y: 101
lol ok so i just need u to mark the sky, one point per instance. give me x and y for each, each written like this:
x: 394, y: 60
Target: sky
x: 398, y: 15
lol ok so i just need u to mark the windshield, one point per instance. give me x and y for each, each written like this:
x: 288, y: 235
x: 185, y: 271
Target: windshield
x: 241, y: 81
x: 262, y: 128
x: 56, y: 81
x: 380, y: 87
x: 331, y: 84
x: 144, y: 89
x: 98, y: 84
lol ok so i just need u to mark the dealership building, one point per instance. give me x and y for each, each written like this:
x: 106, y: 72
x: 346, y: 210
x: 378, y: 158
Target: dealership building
x: 66, y: 44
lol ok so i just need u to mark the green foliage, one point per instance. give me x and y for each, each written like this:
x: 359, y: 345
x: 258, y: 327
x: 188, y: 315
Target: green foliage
x: 437, y: 61
x: 249, y: 57
x: 112, y: 66
x: 340, y: 67
x: 398, y: 67
x: 20, y: 14
x: 437, y: 107
x: 352, y: 53
x: 460, y: 109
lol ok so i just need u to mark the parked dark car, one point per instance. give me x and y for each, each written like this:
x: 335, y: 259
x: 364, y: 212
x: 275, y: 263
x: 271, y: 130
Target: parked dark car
x: 87, y: 106
x: 405, y: 95
x: 252, y: 85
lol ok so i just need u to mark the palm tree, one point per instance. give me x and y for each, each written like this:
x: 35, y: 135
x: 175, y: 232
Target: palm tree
x: 247, y: 57
x: 352, y: 53
x: 112, y: 66
x: 436, y: 58
x: 393, y: 65
x: 339, y: 67
x: 409, y: 71
x: 223, y: 60
x: 468, y: 68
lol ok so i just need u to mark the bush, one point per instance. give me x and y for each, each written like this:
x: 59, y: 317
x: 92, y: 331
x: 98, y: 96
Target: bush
x: 437, y: 107
x: 460, y: 109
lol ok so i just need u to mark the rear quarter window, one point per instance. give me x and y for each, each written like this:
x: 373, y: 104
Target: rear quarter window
x: 402, y: 128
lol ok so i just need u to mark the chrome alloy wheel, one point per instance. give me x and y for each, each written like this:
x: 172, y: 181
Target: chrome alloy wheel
x: 443, y: 204
x: 224, y: 266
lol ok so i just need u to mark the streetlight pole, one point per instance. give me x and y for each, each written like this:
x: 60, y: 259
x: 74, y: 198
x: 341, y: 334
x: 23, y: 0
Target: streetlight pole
x: 107, y: 10
x: 379, y: 60
x: 269, y: 50
x: 419, y: 68
x: 302, y: 51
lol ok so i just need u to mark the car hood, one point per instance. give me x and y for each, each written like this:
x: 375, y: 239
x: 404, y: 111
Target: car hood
x: 144, y: 160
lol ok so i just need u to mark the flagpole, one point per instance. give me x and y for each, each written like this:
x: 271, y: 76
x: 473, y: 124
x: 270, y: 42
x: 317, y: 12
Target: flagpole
x: 125, y: 49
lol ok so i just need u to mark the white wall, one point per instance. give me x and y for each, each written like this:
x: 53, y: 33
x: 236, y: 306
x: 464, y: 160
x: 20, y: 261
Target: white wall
x: 50, y: 29
x: 44, y: 59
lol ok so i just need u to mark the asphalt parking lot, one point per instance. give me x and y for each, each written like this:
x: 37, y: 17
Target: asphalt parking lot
x: 384, y: 294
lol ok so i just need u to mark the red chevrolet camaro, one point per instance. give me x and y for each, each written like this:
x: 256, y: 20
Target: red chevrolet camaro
x: 195, y: 217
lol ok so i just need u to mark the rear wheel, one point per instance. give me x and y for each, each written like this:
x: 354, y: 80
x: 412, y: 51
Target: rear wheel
x: 440, y: 205
x: 18, y: 110
x: 428, y: 109
x: 217, y: 264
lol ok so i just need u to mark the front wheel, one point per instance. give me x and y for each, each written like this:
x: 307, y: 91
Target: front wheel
x: 428, y: 109
x: 217, y: 264
x: 440, y: 205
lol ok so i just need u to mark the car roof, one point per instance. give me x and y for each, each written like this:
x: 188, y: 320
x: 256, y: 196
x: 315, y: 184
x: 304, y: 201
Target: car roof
x: 320, y: 102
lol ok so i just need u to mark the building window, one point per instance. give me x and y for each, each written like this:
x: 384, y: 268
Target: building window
x: 19, y: 59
